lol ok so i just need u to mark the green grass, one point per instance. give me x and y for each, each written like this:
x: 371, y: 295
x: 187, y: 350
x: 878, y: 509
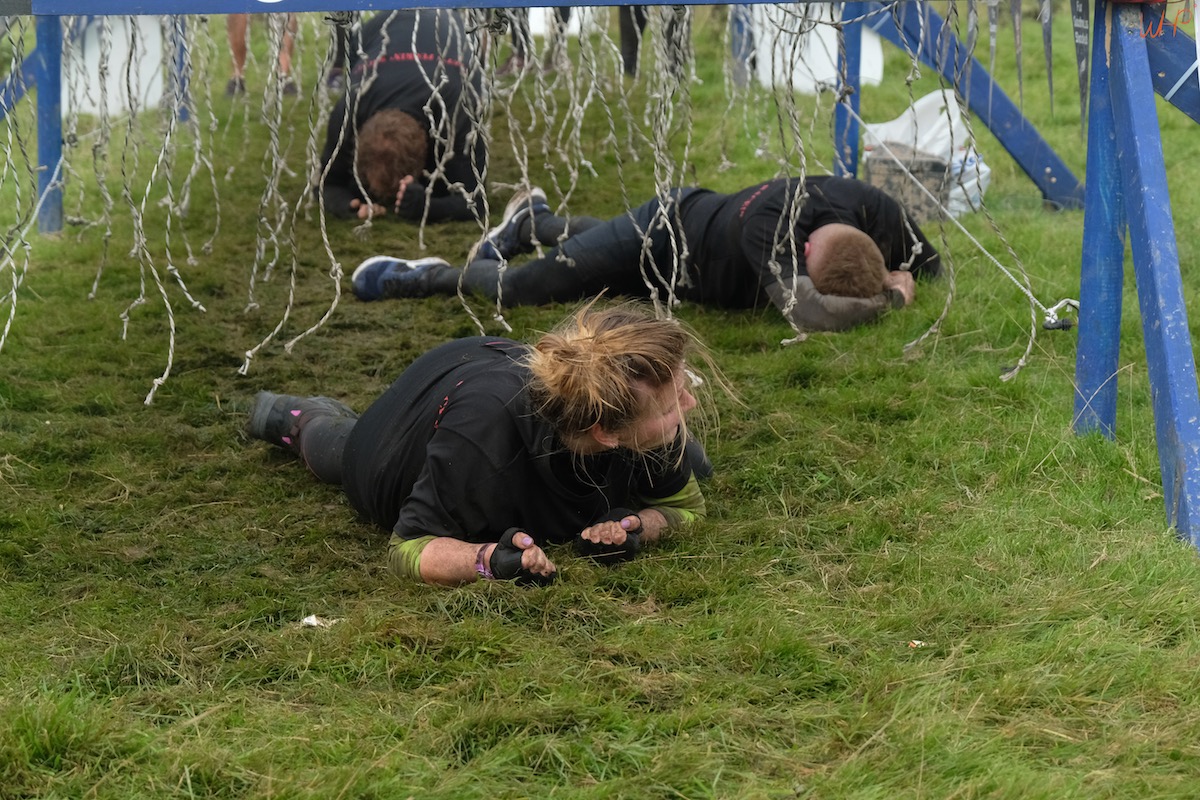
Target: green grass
x: 155, y: 564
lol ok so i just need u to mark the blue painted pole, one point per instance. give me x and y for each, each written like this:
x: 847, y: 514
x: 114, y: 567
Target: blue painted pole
x: 1103, y: 263
x: 845, y: 162
x: 1169, y: 360
x: 47, y: 69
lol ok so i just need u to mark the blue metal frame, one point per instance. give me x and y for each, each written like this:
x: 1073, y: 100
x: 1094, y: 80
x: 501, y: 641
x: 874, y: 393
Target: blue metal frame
x: 47, y: 71
x: 181, y: 76
x: 845, y: 125
x: 1126, y: 125
x: 1173, y: 67
x: 13, y: 90
x: 922, y: 31
x: 1103, y: 261
x: 43, y: 68
x: 741, y: 42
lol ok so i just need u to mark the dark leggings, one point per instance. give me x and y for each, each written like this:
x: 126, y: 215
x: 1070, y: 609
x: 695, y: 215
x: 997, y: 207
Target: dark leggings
x: 321, y: 442
x: 632, y: 21
x: 597, y: 256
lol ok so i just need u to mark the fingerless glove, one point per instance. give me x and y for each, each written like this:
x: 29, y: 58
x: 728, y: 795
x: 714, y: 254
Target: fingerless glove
x: 505, y: 563
x: 613, y: 553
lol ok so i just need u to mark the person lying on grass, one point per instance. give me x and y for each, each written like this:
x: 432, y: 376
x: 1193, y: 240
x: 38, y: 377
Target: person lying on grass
x: 393, y: 129
x: 830, y: 253
x: 484, y: 449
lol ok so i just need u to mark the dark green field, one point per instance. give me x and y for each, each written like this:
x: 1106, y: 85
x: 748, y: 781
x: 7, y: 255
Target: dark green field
x: 914, y: 581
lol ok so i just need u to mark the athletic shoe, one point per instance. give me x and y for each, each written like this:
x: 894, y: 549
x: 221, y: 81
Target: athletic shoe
x: 384, y: 276
x: 235, y: 86
x: 269, y: 420
x: 276, y: 418
x: 290, y: 88
x: 504, y: 240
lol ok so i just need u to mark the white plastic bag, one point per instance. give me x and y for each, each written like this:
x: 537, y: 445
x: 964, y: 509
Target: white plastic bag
x: 933, y: 126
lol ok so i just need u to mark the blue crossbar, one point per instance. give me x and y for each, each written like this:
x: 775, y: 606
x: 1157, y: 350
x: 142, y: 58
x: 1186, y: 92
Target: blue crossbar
x: 1173, y: 68
x: 13, y: 89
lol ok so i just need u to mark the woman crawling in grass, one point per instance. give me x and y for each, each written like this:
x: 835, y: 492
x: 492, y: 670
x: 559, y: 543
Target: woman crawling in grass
x: 485, y: 448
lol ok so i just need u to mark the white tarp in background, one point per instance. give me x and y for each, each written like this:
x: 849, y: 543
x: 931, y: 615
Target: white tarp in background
x: 811, y: 57
x: 81, y: 66
x: 541, y: 20
x: 933, y: 125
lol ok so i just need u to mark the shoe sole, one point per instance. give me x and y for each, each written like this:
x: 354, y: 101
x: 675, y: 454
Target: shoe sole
x: 518, y: 201
x: 522, y: 200
x: 256, y: 426
x: 364, y: 266
x: 420, y: 262
x: 409, y: 266
x: 264, y: 408
x: 368, y: 264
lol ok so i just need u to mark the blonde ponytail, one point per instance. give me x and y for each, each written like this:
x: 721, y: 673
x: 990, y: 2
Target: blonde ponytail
x: 586, y: 371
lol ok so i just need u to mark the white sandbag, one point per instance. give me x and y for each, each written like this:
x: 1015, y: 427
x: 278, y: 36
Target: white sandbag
x: 933, y: 127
